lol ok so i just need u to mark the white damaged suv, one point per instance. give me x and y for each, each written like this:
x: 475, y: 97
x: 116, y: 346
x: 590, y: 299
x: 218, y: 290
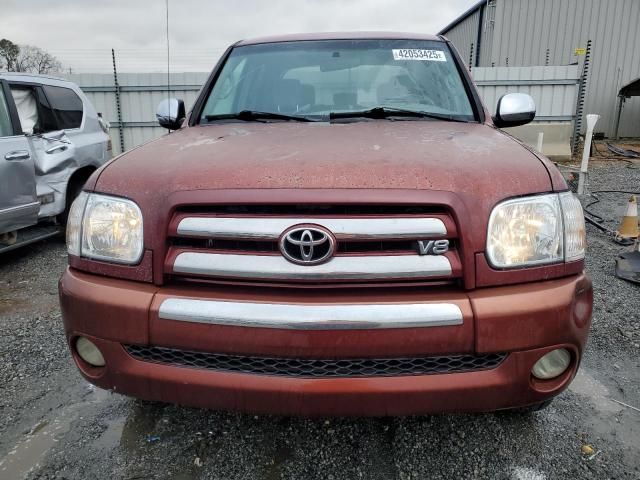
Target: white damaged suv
x: 51, y: 140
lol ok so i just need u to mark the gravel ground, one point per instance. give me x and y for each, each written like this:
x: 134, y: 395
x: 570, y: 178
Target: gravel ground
x: 53, y: 425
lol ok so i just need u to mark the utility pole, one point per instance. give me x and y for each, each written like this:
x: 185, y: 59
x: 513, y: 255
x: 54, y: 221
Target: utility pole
x: 168, y: 52
x: 118, y: 110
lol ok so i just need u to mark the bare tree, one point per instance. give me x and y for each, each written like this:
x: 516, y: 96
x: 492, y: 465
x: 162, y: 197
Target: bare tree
x: 35, y: 60
x: 27, y: 58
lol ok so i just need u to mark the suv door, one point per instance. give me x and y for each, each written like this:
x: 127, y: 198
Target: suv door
x: 82, y: 131
x: 19, y: 204
x: 54, y: 154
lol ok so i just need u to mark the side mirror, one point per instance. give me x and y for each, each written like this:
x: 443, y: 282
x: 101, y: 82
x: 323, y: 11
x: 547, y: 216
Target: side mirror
x: 171, y: 113
x: 514, y: 109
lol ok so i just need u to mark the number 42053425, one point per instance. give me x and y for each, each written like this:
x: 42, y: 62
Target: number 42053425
x: 419, y: 54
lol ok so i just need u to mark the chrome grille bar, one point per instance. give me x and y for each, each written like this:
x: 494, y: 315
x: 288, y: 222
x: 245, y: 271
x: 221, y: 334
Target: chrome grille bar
x: 266, y: 228
x: 338, y: 268
x: 311, y: 317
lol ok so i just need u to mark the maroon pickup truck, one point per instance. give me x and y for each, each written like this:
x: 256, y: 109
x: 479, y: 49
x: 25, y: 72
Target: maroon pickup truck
x: 337, y: 227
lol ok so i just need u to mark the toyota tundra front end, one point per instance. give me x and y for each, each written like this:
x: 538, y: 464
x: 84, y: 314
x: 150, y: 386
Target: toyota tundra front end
x: 337, y: 227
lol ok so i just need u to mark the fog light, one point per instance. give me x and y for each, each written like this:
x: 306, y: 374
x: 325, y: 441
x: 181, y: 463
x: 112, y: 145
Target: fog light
x: 89, y: 352
x: 552, y: 364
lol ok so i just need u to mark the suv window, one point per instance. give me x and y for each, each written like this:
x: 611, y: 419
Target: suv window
x: 66, y: 105
x: 6, y: 129
x: 33, y: 108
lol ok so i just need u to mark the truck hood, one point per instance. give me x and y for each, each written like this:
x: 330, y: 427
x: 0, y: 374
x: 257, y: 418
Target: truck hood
x: 470, y: 158
x: 464, y: 167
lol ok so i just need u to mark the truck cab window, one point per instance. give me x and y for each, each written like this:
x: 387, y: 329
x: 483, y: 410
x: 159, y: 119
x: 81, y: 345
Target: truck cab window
x: 318, y: 78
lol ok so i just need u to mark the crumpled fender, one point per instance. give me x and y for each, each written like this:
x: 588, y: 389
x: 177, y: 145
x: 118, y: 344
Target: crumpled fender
x: 57, y: 161
x: 54, y: 169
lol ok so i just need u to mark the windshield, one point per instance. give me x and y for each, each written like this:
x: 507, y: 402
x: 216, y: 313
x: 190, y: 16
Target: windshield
x: 317, y: 78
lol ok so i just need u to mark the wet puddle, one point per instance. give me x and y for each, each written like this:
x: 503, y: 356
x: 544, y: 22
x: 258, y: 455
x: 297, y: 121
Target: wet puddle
x: 30, y: 451
x: 586, y: 385
x: 613, y: 421
x: 127, y: 431
x: 8, y: 305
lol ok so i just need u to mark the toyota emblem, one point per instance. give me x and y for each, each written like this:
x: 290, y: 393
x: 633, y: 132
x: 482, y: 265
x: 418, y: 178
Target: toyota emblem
x: 307, y: 245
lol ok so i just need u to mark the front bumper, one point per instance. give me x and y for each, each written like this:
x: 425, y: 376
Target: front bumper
x: 524, y: 320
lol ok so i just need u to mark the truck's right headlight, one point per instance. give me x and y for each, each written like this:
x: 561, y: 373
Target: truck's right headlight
x: 536, y: 230
x: 106, y: 228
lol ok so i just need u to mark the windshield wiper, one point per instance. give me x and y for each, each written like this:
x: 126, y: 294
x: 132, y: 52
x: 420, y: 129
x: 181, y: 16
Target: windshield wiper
x: 386, y: 112
x: 255, y: 116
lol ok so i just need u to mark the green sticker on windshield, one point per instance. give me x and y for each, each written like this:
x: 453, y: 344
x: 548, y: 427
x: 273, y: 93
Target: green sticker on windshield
x: 419, y: 54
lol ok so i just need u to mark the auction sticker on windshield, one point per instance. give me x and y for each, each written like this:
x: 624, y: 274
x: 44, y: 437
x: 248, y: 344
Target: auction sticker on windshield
x: 419, y: 54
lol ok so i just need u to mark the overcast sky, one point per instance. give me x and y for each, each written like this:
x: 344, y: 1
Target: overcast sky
x: 81, y: 33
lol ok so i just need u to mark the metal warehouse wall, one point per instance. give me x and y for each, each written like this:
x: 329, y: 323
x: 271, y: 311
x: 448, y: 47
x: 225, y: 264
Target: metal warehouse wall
x: 140, y: 94
x: 465, y: 33
x: 554, y: 89
x: 523, y: 30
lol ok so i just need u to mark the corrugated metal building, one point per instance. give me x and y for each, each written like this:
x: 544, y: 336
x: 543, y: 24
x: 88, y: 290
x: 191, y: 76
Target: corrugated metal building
x: 131, y: 108
x: 548, y: 32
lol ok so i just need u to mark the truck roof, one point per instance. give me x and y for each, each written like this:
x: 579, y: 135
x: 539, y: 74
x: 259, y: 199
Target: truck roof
x: 339, y: 36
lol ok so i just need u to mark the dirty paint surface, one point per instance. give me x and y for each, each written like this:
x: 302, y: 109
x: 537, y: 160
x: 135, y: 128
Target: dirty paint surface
x: 370, y: 154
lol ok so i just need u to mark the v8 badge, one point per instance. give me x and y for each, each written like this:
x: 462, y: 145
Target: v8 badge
x: 433, y: 247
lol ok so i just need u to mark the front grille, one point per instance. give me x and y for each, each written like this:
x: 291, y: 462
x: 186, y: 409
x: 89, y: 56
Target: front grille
x: 371, y: 243
x: 317, y: 368
x: 265, y: 246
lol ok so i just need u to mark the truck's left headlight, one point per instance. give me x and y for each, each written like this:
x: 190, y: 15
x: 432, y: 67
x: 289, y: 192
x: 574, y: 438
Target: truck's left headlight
x: 106, y: 228
x: 536, y: 230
